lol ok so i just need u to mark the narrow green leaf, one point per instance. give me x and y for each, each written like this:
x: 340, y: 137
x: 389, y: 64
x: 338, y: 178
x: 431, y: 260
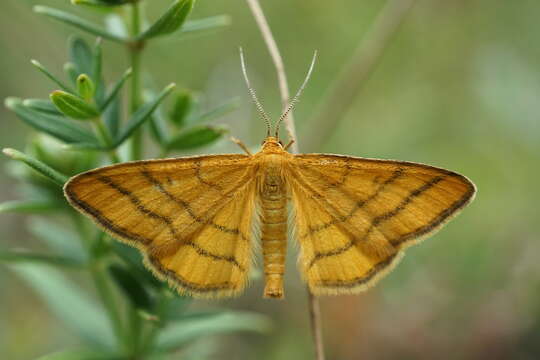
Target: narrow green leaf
x: 170, y: 21
x: 197, y: 315
x: 177, y: 306
x: 85, y: 87
x: 80, y: 55
x: 47, y: 73
x: 56, y: 126
x: 116, y: 2
x: 208, y: 23
x: 81, y: 146
x: 142, y: 115
x: 53, y: 153
x: 41, y: 105
x: 80, y: 354
x: 158, y: 128
x: 158, y: 124
x: 97, y: 60
x: 71, y: 71
x: 77, y: 22
x: 26, y: 256
x: 101, y: 3
x: 37, y: 165
x: 29, y: 206
x: 181, y: 333
x: 73, y: 106
x: 111, y: 117
x: 182, y: 106
x: 58, y: 239
x: 195, y: 137
x: 133, y: 258
x: 116, y: 89
x: 216, y: 112
x: 68, y: 302
x: 131, y: 287
x: 97, y: 72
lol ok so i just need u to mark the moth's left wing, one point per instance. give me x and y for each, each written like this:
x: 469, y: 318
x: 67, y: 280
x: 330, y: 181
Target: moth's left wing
x: 354, y: 215
x: 190, y: 217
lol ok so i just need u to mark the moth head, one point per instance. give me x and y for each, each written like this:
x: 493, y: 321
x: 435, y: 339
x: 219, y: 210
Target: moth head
x: 272, y: 144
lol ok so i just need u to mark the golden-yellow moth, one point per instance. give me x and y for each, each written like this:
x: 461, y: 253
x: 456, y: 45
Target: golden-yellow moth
x: 193, y: 217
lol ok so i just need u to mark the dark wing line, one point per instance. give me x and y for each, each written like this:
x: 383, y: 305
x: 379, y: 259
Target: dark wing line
x: 401, y: 170
x: 359, y: 203
x: 101, y: 219
x: 343, y: 218
x: 182, y: 282
x: 200, y: 218
x: 199, y: 177
x: 147, y: 212
x: 378, y: 220
x: 360, y: 280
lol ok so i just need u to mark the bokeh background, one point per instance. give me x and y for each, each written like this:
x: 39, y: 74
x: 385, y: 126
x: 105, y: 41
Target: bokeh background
x: 458, y: 87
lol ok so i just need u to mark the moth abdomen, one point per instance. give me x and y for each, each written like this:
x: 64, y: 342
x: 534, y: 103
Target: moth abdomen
x: 273, y: 201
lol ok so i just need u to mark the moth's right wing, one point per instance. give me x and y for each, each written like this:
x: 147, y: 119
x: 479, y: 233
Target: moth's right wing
x: 190, y: 217
x: 354, y: 215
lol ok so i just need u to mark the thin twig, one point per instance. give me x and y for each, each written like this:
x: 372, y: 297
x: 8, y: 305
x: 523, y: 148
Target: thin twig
x: 314, y: 310
x: 258, y: 14
x: 315, y: 317
x: 354, y: 75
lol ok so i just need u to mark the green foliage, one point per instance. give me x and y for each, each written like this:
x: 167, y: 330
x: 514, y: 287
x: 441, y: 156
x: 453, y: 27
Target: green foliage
x: 170, y: 21
x: 131, y: 286
x: 195, y: 137
x: 37, y: 165
x: 137, y: 316
x: 69, y: 302
x: 183, y: 102
x: 77, y: 22
x: 73, y: 106
x: 85, y: 87
x: 57, y: 126
x: 80, y: 354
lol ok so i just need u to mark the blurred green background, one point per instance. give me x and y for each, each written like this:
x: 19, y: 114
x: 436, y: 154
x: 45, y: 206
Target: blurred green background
x: 458, y: 88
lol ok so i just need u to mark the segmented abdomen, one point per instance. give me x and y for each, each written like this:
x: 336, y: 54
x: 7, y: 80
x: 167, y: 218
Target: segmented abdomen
x: 274, y: 235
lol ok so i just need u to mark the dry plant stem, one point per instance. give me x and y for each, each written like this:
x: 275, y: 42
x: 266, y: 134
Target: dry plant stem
x: 314, y: 310
x: 315, y: 317
x: 258, y: 14
x: 354, y: 75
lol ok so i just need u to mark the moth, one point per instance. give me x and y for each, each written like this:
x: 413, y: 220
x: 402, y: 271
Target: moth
x: 194, y: 219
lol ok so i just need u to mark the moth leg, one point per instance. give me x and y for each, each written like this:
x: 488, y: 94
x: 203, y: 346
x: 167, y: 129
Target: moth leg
x: 289, y: 144
x: 241, y: 144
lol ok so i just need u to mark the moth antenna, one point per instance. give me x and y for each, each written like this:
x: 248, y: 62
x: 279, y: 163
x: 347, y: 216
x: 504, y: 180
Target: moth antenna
x: 254, y: 95
x: 296, y: 97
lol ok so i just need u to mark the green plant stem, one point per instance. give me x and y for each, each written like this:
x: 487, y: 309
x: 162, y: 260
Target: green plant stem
x: 97, y: 272
x: 106, y: 138
x: 105, y: 292
x: 135, y: 50
x: 135, y: 327
x: 161, y: 309
x: 135, y: 146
